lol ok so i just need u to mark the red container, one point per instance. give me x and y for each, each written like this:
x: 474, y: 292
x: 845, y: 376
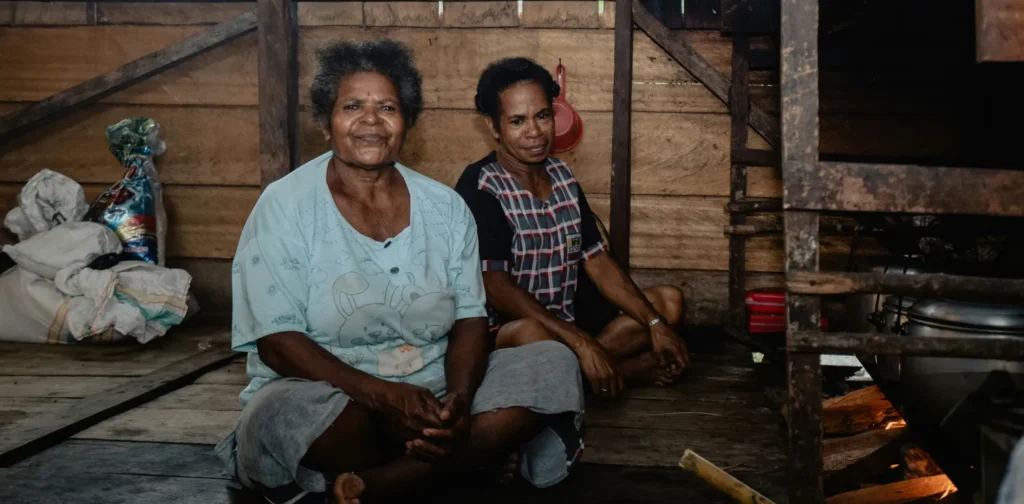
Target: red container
x: 766, y: 312
x: 766, y: 323
x: 766, y: 302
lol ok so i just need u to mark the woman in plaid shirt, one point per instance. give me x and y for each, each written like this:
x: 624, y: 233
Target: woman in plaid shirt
x: 535, y: 231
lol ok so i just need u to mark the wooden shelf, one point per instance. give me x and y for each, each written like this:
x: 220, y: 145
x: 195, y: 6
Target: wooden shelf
x: 934, y: 285
x: 979, y: 347
x: 897, y: 188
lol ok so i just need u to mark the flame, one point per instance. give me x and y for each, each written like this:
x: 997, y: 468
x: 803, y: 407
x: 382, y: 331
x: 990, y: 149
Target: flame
x: 896, y: 424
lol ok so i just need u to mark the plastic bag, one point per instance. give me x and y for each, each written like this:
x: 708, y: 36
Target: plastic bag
x: 48, y: 199
x: 133, y: 207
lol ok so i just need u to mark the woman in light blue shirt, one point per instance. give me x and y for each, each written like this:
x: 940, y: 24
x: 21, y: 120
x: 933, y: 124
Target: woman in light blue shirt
x: 358, y: 297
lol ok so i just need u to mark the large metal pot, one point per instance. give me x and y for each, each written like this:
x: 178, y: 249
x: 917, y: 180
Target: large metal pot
x: 932, y: 386
x: 862, y: 306
x: 894, y: 321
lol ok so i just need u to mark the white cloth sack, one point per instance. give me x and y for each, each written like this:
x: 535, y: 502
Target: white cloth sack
x: 33, y: 309
x: 54, y: 298
x: 74, y: 244
x: 47, y: 200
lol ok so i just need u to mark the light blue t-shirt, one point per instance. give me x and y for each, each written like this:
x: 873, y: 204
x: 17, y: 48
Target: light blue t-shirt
x: 384, y: 308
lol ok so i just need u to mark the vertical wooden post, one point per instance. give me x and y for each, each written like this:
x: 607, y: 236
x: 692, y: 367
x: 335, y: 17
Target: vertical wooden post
x: 622, y: 103
x: 739, y: 109
x: 800, y: 157
x: 279, y: 88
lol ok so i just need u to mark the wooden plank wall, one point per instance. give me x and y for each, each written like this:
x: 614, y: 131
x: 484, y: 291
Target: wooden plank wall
x: 208, y: 110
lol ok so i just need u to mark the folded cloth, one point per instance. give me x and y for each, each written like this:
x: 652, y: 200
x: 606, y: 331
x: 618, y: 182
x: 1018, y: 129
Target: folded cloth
x: 135, y: 298
x: 47, y: 200
x: 70, y: 245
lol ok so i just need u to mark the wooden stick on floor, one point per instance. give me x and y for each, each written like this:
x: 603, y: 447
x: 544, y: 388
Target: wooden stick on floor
x: 721, y: 480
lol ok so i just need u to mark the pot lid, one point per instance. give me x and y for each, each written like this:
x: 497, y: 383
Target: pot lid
x: 969, y: 314
x: 892, y: 302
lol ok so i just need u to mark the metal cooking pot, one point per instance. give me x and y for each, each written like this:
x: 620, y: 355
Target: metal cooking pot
x: 862, y: 306
x: 932, y: 386
x: 894, y: 321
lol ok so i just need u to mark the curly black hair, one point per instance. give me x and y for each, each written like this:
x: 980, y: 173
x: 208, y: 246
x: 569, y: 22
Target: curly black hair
x: 387, y: 57
x: 505, y: 73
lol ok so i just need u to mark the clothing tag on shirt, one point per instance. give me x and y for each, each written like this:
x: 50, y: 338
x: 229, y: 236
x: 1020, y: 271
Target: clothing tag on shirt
x: 574, y: 241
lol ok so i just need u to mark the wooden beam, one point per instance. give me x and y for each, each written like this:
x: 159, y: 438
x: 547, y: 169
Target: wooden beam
x: 124, y: 76
x: 764, y: 124
x: 891, y: 188
x: 740, y: 230
x: 804, y: 368
x: 52, y: 429
x: 739, y: 110
x: 988, y: 347
x: 756, y: 157
x: 278, y: 89
x: 799, y: 86
x: 622, y: 99
x: 999, y: 30
x: 928, y: 284
x: 750, y: 205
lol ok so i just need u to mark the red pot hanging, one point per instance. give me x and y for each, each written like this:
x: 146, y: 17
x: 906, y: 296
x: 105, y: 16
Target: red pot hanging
x: 568, y: 124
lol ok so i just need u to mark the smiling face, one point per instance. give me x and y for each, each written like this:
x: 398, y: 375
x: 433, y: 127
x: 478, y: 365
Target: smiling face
x: 367, y: 127
x: 526, y: 124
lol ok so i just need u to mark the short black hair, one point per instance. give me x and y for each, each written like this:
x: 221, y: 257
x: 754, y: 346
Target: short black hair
x: 505, y: 73
x: 387, y: 57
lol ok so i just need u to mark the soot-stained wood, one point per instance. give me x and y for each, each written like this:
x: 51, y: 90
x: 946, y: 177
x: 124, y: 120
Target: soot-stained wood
x: 933, y: 285
x: 755, y: 205
x: 756, y: 157
x: 799, y: 84
x: 278, y: 89
x: 866, y: 187
x: 991, y: 347
x: 694, y: 63
x: 739, y: 110
x: 96, y: 88
x: 804, y: 313
x: 621, y: 134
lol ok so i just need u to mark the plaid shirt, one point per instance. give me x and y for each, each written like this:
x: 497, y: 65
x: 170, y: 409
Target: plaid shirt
x: 540, y: 243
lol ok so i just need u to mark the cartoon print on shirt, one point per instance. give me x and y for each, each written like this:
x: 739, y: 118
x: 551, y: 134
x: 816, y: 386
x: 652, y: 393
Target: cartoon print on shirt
x: 361, y: 322
x: 424, y: 318
x: 428, y: 318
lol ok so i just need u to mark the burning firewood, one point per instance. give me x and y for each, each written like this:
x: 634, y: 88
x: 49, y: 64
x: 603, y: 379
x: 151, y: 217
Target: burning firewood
x: 899, y: 492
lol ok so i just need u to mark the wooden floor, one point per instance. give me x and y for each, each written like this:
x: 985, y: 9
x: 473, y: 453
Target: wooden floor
x: 161, y: 451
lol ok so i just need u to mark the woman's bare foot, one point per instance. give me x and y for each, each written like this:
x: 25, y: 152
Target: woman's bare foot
x: 644, y: 371
x: 348, y: 488
x: 507, y: 469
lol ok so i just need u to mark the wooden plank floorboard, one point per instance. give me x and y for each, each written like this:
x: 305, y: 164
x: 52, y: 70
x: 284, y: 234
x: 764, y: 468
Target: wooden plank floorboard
x: 201, y: 397
x: 165, y: 426
x: 32, y: 487
x: 123, y: 457
x: 160, y: 472
x: 120, y: 359
x: 68, y: 387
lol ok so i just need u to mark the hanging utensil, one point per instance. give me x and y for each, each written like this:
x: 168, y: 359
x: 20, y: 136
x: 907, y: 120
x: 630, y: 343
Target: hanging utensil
x: 568, y: 124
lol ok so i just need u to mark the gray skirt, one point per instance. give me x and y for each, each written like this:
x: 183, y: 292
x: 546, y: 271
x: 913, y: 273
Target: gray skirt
x: 284, y: 417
